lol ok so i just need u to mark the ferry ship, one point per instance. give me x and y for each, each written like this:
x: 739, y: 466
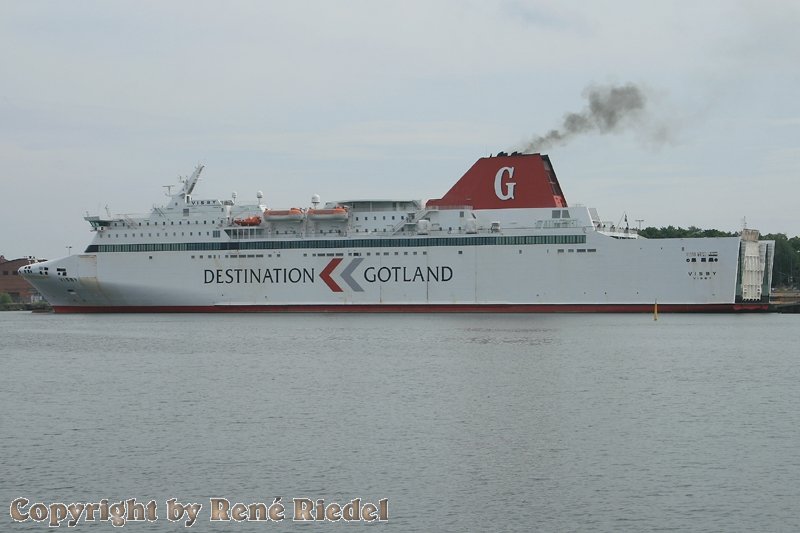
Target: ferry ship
x: 502, y: 239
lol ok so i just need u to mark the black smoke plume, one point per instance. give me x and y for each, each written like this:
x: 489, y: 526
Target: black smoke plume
x: 610, y: 109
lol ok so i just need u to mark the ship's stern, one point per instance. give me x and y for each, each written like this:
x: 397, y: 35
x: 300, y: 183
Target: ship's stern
x: 754, y: 273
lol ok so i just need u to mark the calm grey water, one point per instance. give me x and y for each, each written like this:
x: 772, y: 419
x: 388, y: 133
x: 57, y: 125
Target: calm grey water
x: 464, y: 422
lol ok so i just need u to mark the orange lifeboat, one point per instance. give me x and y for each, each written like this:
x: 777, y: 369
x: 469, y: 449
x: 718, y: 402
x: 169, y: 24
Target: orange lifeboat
x: 295, y: 214
x: 249, y: 221
x: 337, y: 213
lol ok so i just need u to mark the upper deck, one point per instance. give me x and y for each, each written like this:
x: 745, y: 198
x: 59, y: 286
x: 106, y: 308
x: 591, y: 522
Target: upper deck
x: 517, y: 184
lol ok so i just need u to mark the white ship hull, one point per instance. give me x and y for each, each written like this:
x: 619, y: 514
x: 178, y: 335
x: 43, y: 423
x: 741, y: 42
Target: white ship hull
x: 629, y: 274
x: 508, y: 267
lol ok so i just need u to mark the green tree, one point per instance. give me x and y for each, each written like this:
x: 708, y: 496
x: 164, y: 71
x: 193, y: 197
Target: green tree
x: 5, y: 298
x: 794, y: 242
x: 671, y: 232
x: 786, y: 269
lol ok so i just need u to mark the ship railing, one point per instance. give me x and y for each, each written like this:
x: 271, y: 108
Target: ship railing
x: 613, y: 230
x: 129, y: 221
x: 412, y: 218
x: 409, y: 220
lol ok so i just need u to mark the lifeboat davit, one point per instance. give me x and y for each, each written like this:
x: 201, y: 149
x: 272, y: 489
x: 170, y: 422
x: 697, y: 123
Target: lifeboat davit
x: 249, y: 221
x: 337, y: 213
x: 294, y: 214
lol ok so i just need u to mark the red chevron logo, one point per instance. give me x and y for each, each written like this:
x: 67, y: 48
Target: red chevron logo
x: 325, y: 275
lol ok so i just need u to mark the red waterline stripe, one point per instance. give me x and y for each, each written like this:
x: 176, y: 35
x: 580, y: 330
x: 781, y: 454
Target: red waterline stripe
x: 420, y: 308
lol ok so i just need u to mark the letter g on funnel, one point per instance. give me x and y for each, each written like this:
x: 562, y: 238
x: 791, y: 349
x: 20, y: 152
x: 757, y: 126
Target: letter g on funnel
x: 498, y: 184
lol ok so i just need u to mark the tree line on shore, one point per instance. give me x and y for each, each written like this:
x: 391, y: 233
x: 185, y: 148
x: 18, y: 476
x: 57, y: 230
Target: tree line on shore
x: 785, y: 270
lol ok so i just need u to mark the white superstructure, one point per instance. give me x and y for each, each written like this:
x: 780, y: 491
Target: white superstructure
x: 502, y: 239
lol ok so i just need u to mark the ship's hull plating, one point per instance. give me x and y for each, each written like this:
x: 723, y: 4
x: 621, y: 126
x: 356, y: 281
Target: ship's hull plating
x: 600, y: 275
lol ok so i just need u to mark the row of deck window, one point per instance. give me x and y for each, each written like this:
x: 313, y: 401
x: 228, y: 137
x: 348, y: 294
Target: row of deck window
x: 215, y: 233
x: 163, y: 223
x: 343, y: 243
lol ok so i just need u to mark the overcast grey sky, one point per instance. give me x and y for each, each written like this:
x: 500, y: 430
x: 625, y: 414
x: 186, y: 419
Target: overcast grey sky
x: 102, y: 103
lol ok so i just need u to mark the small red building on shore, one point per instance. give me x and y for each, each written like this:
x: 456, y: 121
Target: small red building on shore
x: 15, y: 285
